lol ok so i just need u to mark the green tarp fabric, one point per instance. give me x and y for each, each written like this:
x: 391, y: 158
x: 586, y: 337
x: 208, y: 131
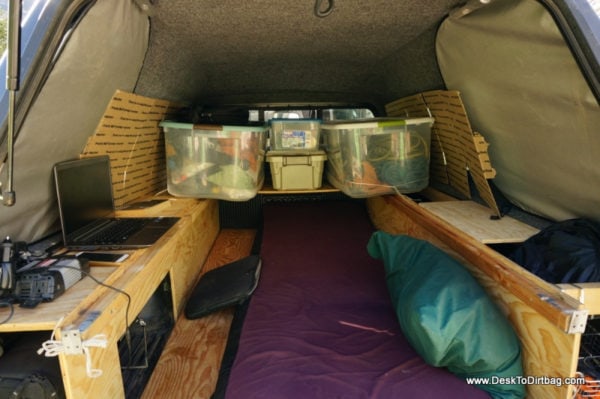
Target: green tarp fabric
x: 447, y: 316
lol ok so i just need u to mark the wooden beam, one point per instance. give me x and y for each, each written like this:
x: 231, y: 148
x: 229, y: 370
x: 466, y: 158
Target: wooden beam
x: 189, y: 365
x: 586, y: 293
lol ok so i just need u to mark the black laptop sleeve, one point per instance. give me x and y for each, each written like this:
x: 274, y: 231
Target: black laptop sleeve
x: 224, y: 286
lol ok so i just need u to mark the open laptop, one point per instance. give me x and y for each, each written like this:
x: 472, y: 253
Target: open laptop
x: 86, y: 208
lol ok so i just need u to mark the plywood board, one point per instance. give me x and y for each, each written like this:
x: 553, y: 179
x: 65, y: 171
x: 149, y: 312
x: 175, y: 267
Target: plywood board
x: 477, y: 221
x: 129, y: 134
x: 46, y: 315
x: 586, y: 293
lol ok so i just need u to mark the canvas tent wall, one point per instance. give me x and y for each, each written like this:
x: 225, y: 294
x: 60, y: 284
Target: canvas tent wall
x: 526, y: 93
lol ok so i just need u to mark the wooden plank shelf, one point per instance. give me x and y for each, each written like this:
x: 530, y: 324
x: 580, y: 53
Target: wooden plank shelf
x: 103, y: 311
x: 325, y: 188
x: 190, y: 362
x: 475, y: 220
x: 46, y: 315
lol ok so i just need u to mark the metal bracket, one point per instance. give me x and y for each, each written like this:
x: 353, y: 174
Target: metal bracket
x: 578, y: 321
x: 71, y: 341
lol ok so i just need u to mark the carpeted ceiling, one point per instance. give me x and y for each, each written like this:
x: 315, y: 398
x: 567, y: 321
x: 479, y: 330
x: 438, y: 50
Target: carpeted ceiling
x: 216, y: 52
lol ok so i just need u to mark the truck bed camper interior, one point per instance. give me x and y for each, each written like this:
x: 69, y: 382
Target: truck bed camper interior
x: 382, y: 199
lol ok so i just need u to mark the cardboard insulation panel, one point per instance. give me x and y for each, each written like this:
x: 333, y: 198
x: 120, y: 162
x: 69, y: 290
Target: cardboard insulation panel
x: 455, y: 149
x: 129, y: 134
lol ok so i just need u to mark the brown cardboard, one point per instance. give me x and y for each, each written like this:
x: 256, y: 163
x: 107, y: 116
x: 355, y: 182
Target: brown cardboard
x: 455, y: 149
x: 129, y: 134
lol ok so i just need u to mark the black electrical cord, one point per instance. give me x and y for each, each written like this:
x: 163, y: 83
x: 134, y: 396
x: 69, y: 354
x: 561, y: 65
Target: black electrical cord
x: 120, y: 291
x: 11, y: 307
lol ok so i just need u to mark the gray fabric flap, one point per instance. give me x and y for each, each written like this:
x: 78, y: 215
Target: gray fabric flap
x: 525, y: 93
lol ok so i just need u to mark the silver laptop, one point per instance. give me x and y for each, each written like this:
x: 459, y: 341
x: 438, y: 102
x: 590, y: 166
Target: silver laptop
x: 86, y: 207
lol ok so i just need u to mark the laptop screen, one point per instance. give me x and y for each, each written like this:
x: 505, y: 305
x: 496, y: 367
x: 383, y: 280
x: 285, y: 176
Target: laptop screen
x: 84, y: 191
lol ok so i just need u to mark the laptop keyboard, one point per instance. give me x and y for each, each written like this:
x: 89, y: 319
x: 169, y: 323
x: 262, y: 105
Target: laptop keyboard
x: 119, y: 231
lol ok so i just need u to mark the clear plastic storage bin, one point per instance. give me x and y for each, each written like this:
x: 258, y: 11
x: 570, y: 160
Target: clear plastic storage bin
x: 378, y: 156
x: 295, y: 134
x: 214, y: 161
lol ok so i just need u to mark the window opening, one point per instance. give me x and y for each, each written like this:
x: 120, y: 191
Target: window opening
x: 36, y: 16
x: 327, y: 114
x: 595, y: 6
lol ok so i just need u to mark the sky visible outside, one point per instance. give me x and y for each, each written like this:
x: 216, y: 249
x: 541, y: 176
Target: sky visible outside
x: 594, y: 3
x: 26, y: 5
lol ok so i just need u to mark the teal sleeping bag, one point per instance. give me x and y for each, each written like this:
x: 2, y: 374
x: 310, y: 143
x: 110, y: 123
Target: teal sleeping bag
x: 447, y: 316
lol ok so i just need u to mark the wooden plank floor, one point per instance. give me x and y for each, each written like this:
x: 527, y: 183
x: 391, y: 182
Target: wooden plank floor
x: 189, y: 365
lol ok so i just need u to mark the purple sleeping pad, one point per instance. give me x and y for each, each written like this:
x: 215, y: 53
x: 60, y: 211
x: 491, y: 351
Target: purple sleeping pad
x: 321, y: 324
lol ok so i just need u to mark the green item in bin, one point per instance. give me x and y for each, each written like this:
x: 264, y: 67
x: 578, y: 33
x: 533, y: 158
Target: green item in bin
x: 404, y: 172
x: 232, y: 176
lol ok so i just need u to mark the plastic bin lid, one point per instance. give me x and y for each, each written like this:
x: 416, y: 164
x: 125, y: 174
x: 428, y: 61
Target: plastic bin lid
x: 297, y: 153
x: 295, y: 120
x: 374, y: 123
x: 279, y: 156
x: 224, y: 128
